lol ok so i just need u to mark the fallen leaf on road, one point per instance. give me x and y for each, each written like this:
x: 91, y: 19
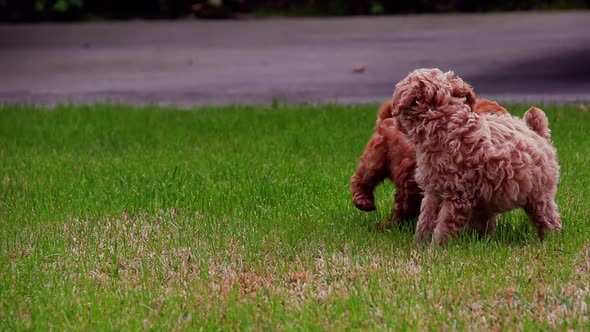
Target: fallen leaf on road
x: 359, y: 69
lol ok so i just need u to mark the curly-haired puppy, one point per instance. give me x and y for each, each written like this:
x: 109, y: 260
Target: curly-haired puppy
x: 472, y: 167
x: 389, y: 154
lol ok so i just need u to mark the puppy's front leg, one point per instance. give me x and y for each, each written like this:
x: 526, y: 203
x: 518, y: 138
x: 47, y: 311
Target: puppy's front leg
x: 372, y: 170
x: 429, y: 211
x: 452, y: 218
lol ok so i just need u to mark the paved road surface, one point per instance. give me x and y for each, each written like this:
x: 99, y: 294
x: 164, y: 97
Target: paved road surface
x: 512, y: 57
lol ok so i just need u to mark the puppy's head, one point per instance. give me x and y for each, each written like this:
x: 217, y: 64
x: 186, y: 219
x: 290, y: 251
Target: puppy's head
x: 428, y: 93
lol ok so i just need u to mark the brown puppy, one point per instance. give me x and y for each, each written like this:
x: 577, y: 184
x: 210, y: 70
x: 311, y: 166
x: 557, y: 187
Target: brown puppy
x: 389, y: 154
x: 472, y: 167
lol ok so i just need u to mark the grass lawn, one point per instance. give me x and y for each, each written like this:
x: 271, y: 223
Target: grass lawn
x: 117, y: 218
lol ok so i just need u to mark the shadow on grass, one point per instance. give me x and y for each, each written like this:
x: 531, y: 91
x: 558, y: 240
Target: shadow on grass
x: 513, y: 230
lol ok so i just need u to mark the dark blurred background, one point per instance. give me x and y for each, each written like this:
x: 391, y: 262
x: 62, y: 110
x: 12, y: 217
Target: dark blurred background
x: 205, y: 52
x: 75, y: 10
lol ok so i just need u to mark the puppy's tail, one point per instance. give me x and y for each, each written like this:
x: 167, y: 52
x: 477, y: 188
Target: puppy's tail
x: 536, y: 119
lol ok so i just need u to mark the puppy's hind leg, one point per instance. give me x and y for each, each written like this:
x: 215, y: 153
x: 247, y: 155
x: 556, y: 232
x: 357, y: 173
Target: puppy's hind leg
x: 544, y: 215
x: 483, y: 222
x: 407, y: 195
x: 406, y: 208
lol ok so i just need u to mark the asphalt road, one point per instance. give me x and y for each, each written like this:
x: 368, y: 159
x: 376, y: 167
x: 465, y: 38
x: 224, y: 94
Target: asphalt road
x: 532, y: 57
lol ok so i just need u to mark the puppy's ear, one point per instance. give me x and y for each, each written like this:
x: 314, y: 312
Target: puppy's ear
x: 385, y: 110
x: 464, y: 90
x: 404, y: 97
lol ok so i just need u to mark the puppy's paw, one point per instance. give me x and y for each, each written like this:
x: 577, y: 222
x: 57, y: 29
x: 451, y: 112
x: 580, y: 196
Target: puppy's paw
x: 362, y: 202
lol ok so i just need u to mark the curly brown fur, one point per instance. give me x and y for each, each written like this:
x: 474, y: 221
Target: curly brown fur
x: 473, y: 167
x: 390, y: 155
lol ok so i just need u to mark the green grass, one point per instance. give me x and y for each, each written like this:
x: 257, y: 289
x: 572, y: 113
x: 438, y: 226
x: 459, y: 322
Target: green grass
x: 116, y: 218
